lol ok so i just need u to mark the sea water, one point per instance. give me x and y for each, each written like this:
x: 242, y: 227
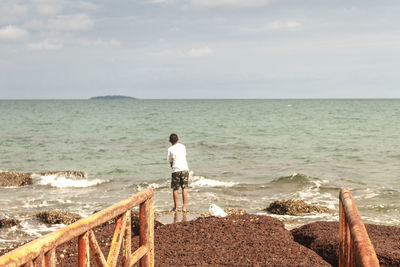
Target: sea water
x: 242, y: 154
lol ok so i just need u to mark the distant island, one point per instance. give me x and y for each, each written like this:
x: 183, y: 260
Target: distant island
x: 112, y: 97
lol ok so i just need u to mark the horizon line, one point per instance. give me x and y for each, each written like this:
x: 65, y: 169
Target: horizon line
x: 135, y: 98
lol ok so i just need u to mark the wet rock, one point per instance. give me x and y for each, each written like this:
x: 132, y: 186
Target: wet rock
x: 323, y: 238
x: 57, y: 217
x: 64, y: 173
x: 7, y: 223
x: 294, y: 207
x: 15, y: 179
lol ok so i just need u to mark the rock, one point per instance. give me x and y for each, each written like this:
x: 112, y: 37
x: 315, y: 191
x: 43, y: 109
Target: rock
x: 57, y: 216
x: 112, y: 97
x: 64, y: 173
x: 294, y: 207
x: 15, y: 179
x: 230, y: 211
x: 323, y: 238
x: 7, y: 223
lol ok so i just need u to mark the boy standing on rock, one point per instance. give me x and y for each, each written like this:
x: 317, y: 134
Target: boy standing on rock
x: 180, y: 170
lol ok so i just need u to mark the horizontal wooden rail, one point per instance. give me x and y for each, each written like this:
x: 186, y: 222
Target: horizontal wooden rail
x: 41, y: 252
x: 355, y: 248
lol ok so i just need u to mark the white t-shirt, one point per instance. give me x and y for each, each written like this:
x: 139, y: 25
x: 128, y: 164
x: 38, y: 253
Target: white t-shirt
x: 177, y: 155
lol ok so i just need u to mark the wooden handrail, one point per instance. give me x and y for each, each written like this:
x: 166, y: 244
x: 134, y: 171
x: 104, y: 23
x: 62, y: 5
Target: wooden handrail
x: 355, y: 247
x: 41, y: 252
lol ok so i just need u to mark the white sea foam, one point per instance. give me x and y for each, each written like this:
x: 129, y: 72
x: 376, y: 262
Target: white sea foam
x: 61, y: 181
x: 200, y: 181
x: 37, y: 230
x: 35, y: 203
x: 141, y: 187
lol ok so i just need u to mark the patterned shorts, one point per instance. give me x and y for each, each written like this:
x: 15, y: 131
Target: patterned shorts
x: 180, y: 179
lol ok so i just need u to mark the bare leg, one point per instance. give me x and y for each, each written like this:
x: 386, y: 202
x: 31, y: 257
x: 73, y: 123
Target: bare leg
x: 184, y: 197
x: 175, y: 195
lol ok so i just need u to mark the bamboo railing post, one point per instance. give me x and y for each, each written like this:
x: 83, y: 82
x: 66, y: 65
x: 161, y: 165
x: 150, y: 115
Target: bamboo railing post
x: 355, y: 247
x: 39, y: 261
x: 41, y: 251
x: 342, y: 225
x: 127, y: 242
x: 50, y: 258
x: 147, y: 231
x: 83, y: 250
x: 117, y: 241
x: 96, y: 250
x: 29, y: 264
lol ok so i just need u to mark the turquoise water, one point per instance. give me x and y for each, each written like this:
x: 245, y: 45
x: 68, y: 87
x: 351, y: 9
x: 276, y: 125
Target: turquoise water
x: 242, y: 154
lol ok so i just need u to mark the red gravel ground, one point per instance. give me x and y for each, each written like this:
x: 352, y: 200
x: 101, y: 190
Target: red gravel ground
x: 323, y: 238
x: 237, y: 240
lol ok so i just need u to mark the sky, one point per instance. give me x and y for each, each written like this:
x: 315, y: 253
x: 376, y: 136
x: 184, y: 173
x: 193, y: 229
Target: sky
x: 180, y: 49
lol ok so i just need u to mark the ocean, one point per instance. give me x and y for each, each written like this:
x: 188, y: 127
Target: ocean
x: 242, y: 154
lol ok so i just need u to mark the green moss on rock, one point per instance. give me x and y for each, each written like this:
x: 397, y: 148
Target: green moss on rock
x: 7, y: 223
x: 15, y: 179
x: 294, y: 207
x: 57, y: 217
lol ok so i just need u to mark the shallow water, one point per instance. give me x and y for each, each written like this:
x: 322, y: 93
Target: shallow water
x: 242, y: 154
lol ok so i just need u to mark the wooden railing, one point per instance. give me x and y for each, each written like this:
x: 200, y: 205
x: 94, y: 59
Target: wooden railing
x: 42, y: 251
x: 355, y: 248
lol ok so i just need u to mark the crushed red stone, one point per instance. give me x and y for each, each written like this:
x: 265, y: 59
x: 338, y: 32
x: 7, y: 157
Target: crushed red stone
x: 323, y: 238
x: 236, y: 240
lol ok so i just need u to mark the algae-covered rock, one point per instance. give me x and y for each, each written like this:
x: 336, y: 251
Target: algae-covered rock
x: 7, y: 223
x: 294, y: 207
x: 230, y: 211
x: 57, y: 217
x: 15, y: 179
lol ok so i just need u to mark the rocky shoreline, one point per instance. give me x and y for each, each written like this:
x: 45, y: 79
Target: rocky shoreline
x: 242, y: 240
x: 8, y: 179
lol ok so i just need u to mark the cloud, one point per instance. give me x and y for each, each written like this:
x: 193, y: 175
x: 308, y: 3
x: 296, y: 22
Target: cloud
x: 45, y: 45
x: 12, y: 33
x: 12, y: 14
x: 284, y: 25
x: 100, y: 43
x: 200, y: 52
x: 229, y: 3
x: 87, y: 5
x: 74, y: 22
x: 48, y: 7
x: 109, y: 43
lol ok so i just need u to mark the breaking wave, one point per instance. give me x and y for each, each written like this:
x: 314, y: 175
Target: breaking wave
x: 194, y: 182
x: 200, y: 181
x: 61, y: 180
x: 299, y: 179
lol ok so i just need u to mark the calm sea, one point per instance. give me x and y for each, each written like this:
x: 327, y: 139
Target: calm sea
x: 242, y: 154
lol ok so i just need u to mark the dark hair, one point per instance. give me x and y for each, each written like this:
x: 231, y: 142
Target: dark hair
x: 173, y: 138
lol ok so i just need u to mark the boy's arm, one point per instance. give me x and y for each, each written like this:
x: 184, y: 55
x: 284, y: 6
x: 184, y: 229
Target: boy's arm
x: 169, y: 158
